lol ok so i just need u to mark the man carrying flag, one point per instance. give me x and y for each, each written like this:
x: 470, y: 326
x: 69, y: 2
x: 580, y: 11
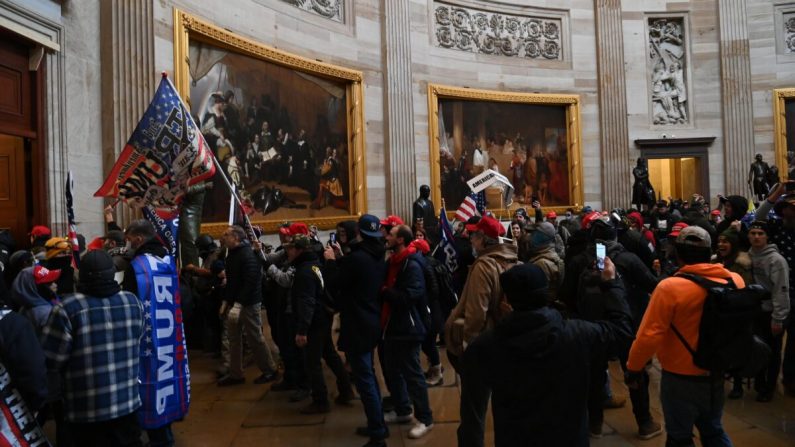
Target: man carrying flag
x: 165, y: 159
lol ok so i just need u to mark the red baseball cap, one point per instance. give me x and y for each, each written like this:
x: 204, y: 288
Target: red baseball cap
x: 552, y: 215
x: 96, y: 244
x: 589, y: 218
x: 43, y: 275
x: 676, y: 228
x: 296, y: 228
x: 40, y: 230
x: 489, y: 226
x: 715, y: 212
x: 392, y: 221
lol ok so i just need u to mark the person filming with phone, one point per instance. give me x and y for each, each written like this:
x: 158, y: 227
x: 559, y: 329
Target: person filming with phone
x: 579, y: 283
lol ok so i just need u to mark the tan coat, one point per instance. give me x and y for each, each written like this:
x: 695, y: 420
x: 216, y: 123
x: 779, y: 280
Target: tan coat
x: 479, y: 306
x: 552, y: 265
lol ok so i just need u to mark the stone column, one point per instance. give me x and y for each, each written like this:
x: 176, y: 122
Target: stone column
x: 128, y: 75
x: 398, y: 97
x: 616, y: 167
x: 736, y: 96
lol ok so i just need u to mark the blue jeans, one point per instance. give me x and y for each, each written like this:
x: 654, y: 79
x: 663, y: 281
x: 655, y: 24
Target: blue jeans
x: 407, y: 378
x: 691, y: 401
x: 367, y: 387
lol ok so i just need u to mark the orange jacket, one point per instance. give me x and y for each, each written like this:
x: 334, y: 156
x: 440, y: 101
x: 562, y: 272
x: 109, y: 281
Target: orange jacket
x: 677, y: 301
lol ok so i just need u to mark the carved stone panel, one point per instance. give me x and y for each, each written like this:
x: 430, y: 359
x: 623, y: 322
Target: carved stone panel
x: 789, y: 32
x: 497, y: 33
x: 667, y: 70
x: 330, y: 9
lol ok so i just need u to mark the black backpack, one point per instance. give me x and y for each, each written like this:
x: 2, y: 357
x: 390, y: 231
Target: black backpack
x: 590, y: 300
x: 726, y: 340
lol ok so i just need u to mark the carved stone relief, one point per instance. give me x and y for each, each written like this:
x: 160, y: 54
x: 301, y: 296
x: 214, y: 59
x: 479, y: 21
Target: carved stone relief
x: 497, y: 33
x: 330, y: 9
x: 667, y: 66
x: 789, y: 32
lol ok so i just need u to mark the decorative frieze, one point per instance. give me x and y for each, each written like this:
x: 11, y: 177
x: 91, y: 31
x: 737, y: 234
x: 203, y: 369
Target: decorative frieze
x: 330, y: 9
x: 497, y: 33
x: 667, y: 68
x: 789, y: 32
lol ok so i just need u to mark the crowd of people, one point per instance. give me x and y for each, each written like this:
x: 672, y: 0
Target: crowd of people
x: 529, y: 319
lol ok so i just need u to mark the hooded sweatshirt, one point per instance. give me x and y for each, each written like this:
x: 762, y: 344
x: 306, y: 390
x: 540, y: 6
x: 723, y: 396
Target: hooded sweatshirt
x: 32, y: 305
x: 771, y: 271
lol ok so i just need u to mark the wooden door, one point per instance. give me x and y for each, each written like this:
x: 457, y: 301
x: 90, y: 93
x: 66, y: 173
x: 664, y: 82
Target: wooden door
x: 13, y: 203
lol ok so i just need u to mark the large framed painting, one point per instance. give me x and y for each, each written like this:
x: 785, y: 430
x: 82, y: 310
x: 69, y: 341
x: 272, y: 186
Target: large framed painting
x: 784, y: 123
x: 286, y: 130
x: 532, y: 139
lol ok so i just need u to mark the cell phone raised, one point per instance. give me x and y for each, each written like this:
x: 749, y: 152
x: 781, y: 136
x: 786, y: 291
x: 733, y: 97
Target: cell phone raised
x: 332, y: 238
x: 601, y: 253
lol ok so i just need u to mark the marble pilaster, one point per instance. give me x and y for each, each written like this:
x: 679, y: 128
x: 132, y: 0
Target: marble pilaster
x: 736, y: 95
x: 128, y: 75
x: 616, y: 186
x: 401, y: 166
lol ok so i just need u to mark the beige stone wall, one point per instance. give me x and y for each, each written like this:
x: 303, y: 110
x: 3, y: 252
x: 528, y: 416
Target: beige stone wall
x: 768, y: 72
x: 704, y: 74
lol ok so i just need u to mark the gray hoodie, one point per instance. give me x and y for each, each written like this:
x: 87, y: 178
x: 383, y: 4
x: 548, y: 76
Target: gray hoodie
x: 771, y: 271
x: 32, y: 305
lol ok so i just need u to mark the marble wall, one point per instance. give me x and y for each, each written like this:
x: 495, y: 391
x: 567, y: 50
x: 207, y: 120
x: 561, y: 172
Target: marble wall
x: 356, y: 39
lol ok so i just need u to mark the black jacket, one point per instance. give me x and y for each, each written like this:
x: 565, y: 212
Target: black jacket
x: 243, y: 276
x: 153, y: 247
x: 307, y: 293
x: 356, y: 279
x: 409, y: 317
x: 22, y: 355
x: 538, y: 364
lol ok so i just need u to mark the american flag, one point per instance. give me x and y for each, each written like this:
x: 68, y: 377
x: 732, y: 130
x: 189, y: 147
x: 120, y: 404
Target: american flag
x: 164, y: 156
x: 473, y: 205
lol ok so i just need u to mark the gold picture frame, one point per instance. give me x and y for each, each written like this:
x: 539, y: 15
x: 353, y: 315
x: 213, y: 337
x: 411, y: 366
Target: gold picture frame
x: 780, y: 97
x: 571, y: 103
x: 189, y: 28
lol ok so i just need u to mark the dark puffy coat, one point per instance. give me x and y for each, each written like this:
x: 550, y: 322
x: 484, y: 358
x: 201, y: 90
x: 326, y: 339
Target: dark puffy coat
x: 409, y: 317
x: 22, y: 355
x: 243, y: 276
x: 357, y: 279
x: 153, y: 247
x: 537, y: 365
x: 307, y: 293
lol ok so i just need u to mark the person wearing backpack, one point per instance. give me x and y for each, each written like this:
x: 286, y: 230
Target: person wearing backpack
x: 690, y: 395
x: 538, y: 248
x: 771, y: 271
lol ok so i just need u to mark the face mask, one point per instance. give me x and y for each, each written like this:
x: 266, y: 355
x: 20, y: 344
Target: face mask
x: 474, y: 252
x: 128, y: 246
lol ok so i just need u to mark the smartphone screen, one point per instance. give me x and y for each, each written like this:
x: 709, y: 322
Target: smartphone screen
x: 601, y: 252
x: 332, y: 238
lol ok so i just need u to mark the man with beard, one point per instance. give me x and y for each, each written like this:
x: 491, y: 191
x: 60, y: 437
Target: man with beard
x: 357, y: 276
x: 478, y: 310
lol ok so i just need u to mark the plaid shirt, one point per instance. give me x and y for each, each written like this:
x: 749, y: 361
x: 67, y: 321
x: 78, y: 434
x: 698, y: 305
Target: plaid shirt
x: 96, y: 342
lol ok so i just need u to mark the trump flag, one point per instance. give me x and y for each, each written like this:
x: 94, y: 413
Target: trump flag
x: 163, y: 157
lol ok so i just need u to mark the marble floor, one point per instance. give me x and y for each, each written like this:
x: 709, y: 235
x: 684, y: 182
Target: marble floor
x: 249, y: 415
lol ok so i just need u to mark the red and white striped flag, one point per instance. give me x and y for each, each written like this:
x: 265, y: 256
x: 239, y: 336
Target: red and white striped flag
x: 468, y: 208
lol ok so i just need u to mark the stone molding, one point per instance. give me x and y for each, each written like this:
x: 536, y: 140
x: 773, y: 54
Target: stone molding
x: 328, y: 9
x: 785, y: 32
x: 496, y: 32
x: 54, y: 132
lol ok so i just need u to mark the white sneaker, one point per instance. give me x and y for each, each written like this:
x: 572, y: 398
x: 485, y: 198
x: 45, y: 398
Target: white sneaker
x: 392, y: 417
x: 419, y: 430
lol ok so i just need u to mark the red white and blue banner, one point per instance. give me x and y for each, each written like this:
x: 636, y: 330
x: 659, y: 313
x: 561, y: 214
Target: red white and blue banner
x: 70, y: 215
x: 18, y: 426
x: 164, y: 156
x: 166, y: 225
x: 164, y: 372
